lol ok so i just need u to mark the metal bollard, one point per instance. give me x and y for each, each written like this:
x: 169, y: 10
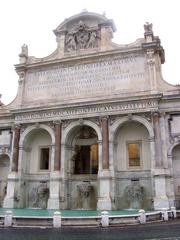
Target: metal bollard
x: 164, y: 214
x: 8, y: 218
x: 142, y: 216
x: 57, y: 219
x: 104, y: 219
x: 173, y: 212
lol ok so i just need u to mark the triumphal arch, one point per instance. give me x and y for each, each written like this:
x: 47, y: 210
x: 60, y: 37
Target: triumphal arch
x: 93, y: 125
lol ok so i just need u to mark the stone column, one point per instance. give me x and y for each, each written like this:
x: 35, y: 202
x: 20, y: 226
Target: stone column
x: 157, y: 134
x: 160, y: 198
x: 104, y: 175
x: 163, y: 140
x: 57, y: 159
x: 9, y: 201
x: 105, y: 143
x: 15, y: 154
x: 54, y: 196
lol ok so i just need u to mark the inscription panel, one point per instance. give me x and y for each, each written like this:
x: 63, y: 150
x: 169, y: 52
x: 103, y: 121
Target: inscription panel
x: 110, y: 76
x: 90, y: 111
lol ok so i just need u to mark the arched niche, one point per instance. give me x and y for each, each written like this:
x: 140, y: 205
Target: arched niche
x: 37, y: 150
x: 4, y: 170
x: 83, y: 144
x: 132, y: 158
x: 176, y: 173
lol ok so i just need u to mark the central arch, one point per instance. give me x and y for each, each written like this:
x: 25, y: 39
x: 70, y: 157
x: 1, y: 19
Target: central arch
x: 81, y: 162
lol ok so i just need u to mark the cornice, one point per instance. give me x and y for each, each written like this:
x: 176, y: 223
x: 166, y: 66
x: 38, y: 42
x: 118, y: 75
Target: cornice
x: 55, y: 106
x: 85, y: 57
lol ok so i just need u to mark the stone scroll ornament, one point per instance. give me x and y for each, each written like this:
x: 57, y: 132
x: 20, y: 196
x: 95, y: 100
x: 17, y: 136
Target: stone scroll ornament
x: 82, y: 37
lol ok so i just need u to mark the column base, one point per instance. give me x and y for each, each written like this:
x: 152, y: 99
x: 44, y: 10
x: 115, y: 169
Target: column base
x: 9, y: 203
x: 9, y: 200
x: 53, y: 203
x: 161, y: 202
x: 104, y: 204
x: 54, y: 200
x: 104, y: 200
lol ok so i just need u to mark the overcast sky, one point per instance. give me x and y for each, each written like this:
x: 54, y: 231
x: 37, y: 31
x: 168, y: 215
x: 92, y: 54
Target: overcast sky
x: 32, y: 21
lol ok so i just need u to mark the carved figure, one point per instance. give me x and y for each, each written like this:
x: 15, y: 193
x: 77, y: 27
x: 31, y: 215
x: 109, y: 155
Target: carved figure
x: 70, y: 42
x: 92, y: 40
x: 24, y: 50
x: 43, y: 194
x: 38, y: 196
x: 81, y: 26
x: 135, y: 194
x: 82, y: 39
x: 148, y: 27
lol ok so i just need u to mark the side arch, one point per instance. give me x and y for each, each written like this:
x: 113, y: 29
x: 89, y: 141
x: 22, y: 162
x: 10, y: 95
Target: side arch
x: 170, y: 149
x: 114, y: 128
x: 34, y: 127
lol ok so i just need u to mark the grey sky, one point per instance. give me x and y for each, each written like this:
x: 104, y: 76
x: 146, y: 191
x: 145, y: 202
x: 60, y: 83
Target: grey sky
x: 32, y: 22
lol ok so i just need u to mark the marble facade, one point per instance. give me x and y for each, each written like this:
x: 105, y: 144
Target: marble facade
x: 65, y: 139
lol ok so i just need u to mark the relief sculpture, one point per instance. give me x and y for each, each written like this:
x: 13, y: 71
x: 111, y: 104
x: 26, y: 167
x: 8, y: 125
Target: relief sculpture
x: 38, y: 196
x: 81, y: 38
x: 135, y: 195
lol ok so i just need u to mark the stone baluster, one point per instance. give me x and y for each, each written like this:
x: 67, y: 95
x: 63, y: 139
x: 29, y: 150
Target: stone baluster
x: 157, y: 134
x: 15, y: 153
x: 57, y: 162
x: 105, y: 143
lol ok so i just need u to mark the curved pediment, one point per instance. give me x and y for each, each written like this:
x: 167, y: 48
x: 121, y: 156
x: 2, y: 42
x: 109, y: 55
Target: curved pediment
x: 89, y: 18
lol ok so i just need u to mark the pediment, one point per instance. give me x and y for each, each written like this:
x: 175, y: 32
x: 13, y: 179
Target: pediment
x: 88, y: 18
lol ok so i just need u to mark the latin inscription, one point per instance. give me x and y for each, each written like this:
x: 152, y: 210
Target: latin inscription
x: 85, y: 80
x: 89, y: 110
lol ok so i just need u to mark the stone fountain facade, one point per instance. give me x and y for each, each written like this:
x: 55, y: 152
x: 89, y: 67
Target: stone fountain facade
x: 93, y: 126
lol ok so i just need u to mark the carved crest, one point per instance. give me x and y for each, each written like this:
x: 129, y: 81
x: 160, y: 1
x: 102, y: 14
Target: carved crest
x: 82, y: 37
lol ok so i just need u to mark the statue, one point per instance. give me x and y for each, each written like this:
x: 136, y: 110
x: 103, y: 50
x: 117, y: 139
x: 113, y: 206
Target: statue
x: 24, y: 51
x: 92, y: 40
x: 70, y: 42
x: 148, y: 27
x: 1, y: 104
x: 23, y: 56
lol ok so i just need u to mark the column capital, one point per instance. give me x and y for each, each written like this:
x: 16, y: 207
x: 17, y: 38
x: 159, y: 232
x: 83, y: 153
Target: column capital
x: 15, y: 126
x: 57, y: 122
x: 105, y: 117
x: 155, y: 114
